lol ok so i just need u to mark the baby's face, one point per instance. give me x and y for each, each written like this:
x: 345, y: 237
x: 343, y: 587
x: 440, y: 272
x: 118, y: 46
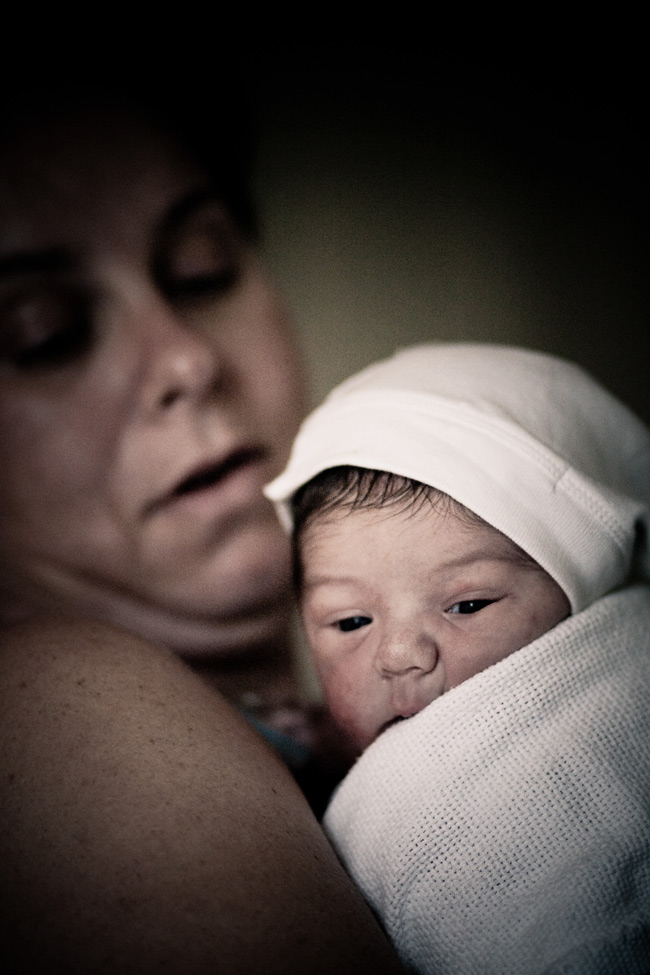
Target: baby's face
x: 401, y: 606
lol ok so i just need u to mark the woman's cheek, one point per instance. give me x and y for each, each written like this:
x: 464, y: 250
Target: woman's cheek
x: 271, y: 356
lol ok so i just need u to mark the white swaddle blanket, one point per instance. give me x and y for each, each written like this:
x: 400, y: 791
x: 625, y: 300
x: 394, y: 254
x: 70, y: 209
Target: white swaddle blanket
x: 506, y: 828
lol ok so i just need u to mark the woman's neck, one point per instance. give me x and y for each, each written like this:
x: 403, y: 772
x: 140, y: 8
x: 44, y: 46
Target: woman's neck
x: 265, y: 675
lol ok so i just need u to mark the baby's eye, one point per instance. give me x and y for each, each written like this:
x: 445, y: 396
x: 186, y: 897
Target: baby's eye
x: 467, y: 606
x: 353, y: 623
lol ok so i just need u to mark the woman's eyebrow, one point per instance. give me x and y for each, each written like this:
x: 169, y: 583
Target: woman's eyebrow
x: 51, y: 261
x: 185, y: 208
x: 55, y: 259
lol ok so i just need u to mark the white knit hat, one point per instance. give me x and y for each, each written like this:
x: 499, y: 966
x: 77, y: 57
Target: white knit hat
x: 529, y: 442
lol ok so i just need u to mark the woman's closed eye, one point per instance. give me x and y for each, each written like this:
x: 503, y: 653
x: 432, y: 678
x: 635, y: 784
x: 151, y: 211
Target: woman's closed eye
x: 468, y: 606
x: 353, y: 623
x: 46, y: 328
x: 203, y: 260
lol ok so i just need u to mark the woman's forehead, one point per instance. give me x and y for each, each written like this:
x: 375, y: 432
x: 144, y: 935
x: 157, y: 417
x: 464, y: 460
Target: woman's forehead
x: 84, y: 176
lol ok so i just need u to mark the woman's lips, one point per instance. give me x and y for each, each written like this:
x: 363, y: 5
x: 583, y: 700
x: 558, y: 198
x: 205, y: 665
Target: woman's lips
x: 210, y: 475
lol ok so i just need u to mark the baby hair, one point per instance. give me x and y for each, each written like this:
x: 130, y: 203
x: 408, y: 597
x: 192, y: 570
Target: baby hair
x: 348, y: 488
x: 528, y: 441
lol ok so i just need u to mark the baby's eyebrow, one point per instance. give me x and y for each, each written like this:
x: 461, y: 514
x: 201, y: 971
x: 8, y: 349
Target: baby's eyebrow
x: 314, y: 582
x: 477, y: 558
x: 311, y: 582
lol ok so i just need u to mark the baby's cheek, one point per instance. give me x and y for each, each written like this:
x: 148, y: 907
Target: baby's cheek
x: 347, y: 697
x: 338, y: 689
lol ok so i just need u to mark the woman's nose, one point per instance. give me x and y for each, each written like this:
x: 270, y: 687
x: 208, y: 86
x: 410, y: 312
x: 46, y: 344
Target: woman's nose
x: 403, y: 652
x: 179, y: 361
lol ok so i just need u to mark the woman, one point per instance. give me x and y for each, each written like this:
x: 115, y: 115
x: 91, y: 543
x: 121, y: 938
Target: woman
x: 149, y: 387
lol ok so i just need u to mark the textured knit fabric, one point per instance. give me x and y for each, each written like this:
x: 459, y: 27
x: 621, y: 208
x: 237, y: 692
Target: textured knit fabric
x: 528, y: 441
x: 505, y: 829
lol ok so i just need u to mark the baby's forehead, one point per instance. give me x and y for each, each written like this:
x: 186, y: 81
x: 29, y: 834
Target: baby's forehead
x: 342, y: 525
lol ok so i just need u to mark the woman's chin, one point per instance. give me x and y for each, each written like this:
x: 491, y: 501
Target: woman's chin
x: 242, y: 597
x: 250, y: 575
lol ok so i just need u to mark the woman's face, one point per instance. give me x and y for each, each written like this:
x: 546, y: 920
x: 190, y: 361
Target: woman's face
x: 149, y: 387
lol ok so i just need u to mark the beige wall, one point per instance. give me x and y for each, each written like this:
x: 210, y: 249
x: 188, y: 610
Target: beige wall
x: 389, y: 221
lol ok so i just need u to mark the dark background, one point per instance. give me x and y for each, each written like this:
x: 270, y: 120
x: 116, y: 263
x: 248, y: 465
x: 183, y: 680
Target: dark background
x: 418, y: 179
x: 408, y: 196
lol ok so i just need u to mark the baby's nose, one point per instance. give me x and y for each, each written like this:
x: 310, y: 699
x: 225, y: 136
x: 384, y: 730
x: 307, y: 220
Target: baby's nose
x: 406, y: 652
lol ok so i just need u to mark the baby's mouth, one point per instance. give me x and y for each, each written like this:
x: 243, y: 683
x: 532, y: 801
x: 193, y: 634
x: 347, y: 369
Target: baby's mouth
x: 400, y: 717
x: 393, y: 721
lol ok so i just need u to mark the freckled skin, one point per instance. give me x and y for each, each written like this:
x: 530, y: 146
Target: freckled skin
x: 145, y: 826
x: 400, y: 607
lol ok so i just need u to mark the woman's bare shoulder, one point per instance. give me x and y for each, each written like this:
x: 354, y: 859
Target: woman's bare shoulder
x: 71, y: 649
x: 144, y: 825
